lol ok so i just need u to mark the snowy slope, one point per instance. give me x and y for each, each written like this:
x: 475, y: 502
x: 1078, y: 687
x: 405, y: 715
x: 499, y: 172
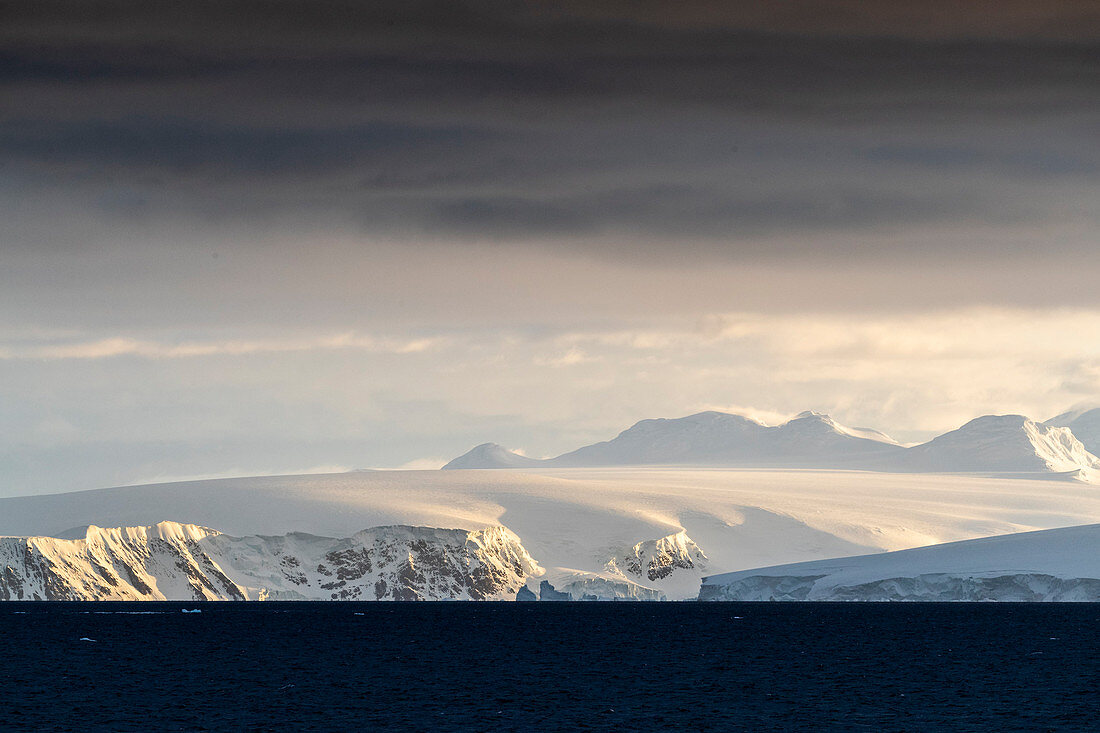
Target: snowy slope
x: 1052, y: 565
x: 172, y: 561
x: 1005, y: 443
x: 575, y: 521
x: 1085, y: 424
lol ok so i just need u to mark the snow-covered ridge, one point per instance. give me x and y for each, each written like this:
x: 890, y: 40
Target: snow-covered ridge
x: 651, y: 570
x: 710, y: 438
x: 1049, y: 565
x: 173, y: 561
x: 1005, y: 444
x: 1085, y: 424
x: 1011, y: 443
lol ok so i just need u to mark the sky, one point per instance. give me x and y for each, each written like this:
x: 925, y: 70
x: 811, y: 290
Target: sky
x: 260, y: 237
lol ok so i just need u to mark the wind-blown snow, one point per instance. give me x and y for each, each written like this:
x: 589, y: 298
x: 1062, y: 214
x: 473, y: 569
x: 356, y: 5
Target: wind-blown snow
x: 1051, y: 565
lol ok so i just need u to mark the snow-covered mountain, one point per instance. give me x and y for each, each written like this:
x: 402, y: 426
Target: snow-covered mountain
x: 1050, y: 565
x: 718, y: 438
x: 491, y: 455
x: 701, y: 438
x: 657, y: 559
x: 673, y: 560
x: 1085, y: 424
x: 1005, y: 443
x: 575, y: 521
x: 714, y: 438
x: 173, y: 561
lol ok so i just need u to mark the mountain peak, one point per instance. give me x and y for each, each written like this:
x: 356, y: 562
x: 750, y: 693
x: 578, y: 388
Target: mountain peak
x: 805, y: 414
x: 997, y: 422
x: 1002, y: 443
x: 699, y: 418
x: 821, y: 423
x: 491, y: 455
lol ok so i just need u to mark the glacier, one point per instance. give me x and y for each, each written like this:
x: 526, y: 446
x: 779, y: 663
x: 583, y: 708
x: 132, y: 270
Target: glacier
x: 1049, y: 565
x: 575, y: 521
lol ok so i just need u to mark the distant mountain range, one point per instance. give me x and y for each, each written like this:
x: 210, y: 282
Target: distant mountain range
x: 1010, y: 444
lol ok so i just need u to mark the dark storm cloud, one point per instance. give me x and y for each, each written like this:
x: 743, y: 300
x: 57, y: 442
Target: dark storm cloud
x: 527, y: 121
x: 257, y: 235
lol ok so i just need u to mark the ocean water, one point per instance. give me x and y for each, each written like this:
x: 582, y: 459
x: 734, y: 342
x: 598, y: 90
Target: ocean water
x: 549, y: 666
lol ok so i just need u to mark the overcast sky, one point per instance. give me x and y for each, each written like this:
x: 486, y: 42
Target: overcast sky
x: 260, y: 237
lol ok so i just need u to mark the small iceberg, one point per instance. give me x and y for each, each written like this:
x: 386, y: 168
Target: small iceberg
x: 193, y: 610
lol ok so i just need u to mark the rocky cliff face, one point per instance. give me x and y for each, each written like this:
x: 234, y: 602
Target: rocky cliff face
x: 172, y: 561
x: 655, y: 560
x: 167, y: 561
x: 647, y: 571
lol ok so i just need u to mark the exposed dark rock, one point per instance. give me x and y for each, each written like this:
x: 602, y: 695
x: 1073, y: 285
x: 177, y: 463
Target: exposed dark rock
x: 398, y: 563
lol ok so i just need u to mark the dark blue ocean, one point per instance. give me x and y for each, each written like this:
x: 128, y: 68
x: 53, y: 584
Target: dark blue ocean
x: 549, y: 666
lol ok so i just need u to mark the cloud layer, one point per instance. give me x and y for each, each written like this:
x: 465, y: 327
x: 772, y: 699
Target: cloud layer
x: 734, y: 133
x: 371, y: 233
x: 80, y: 414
